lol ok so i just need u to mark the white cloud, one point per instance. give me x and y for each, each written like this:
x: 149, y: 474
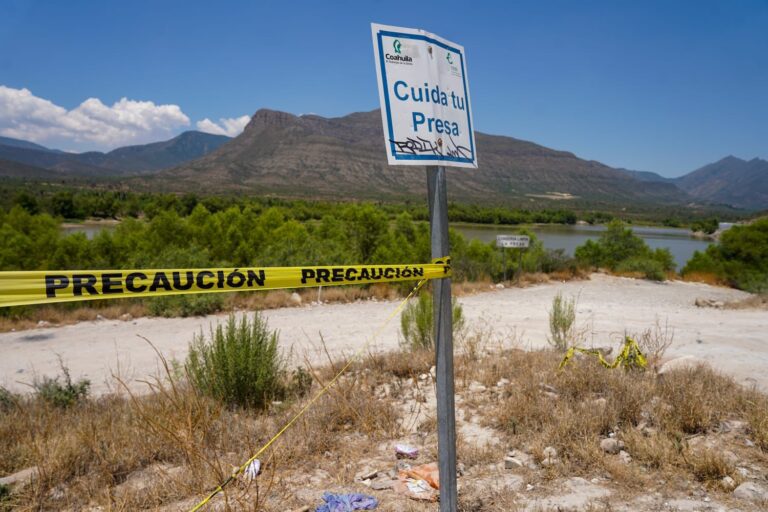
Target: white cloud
x: 231, y: 127
x: 91, y: 125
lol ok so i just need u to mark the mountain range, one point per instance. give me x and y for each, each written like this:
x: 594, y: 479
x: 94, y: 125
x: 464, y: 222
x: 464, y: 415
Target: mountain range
x: 731, y: 181
x: 125, y: 161
x: 343, y: 157
x: 313, y: 156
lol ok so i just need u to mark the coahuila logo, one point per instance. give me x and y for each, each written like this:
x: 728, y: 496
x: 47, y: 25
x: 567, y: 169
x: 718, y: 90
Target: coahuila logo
x: 398, y: 58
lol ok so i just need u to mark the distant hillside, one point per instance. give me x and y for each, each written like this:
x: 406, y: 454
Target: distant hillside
x: 344, y: 158
x: 9, y: 169
x: 733, y: 181
x: 646, y: 176
x: 129, y: 160
x: 17, y: 143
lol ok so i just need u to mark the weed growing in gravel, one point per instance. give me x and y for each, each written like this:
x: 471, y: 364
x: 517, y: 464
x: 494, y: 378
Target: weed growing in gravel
x: 238, y: 363
x: 562, y: 317
x: 62, y: 394
x: 416, y: 322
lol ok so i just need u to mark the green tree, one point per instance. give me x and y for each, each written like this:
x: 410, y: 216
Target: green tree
x: 741, y: 257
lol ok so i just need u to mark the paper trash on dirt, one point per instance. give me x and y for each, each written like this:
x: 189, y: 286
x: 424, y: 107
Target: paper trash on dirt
x: 403, y: 450
x: 253, y: 469
x: 419, y: 483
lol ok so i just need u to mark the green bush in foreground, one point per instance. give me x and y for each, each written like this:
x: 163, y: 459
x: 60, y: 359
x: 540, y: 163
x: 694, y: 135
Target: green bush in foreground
x: 238, y: 363
x: 562, y: 316
x: 416, y: 322
x: 62, y: 394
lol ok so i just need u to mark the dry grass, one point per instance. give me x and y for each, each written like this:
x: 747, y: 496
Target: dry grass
x: 704, y: 277
x: 73, y: 314
x: 171, y: 445
x: 574, y: 409
x: 654, y: 341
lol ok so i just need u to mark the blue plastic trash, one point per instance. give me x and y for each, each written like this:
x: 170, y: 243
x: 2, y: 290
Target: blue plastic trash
x: 347, y: 502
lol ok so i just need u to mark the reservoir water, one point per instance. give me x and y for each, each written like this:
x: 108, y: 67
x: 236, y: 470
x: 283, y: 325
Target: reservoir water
x: 554, y: 236
x: 559, y: 236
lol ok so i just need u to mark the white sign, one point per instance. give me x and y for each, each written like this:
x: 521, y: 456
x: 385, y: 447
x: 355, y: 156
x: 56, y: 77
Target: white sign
x: 513, y: 241
x: 424, y: 95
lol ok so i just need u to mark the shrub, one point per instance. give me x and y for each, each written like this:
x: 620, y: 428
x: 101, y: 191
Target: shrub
x: 416, y: 322
x: 62, y: 394
x: 562, y: 316
x: 650, y: 269
x: 186, y: 305
x: 619, y: 249
x: 555, y: 260
x: 655, y: 341
x: 707, y: 226
x: 741, y: 257
x: 238, y: 364
x: 7, y: 399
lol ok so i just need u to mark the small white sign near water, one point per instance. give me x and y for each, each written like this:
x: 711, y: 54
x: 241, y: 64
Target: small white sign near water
x: 513, y: 241
x: 424, y: 95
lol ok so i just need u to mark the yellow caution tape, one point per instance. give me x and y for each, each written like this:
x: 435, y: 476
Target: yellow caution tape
x: 50, y: 286
x: 630, y: 356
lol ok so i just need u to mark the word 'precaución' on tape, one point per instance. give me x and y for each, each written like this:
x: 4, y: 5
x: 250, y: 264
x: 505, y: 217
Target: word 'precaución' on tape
x: 44, y: 287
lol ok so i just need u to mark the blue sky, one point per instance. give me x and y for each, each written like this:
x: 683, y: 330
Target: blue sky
x: 657, y: 86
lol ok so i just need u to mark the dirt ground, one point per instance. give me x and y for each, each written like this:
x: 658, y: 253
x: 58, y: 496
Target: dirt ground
x: 733, y: 341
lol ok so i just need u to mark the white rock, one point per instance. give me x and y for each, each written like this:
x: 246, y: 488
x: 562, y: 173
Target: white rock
x: 611, y: 445
x: 43, y: 323
x: 625, y: 457
x: 751, y: 491
x: 22, y: 477
x: 295, y: 299
x: 366, y: 474
x: 550, y: 452
x: 502, y: 383
x: 728, y: 483
x: 476, y: 387
x: 547, y: 388
x: 549, y: 455
x: 512, y: 463
x: 553, y: 461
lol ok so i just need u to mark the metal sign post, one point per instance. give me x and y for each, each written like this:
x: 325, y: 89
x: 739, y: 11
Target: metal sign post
x: 427, y: 120
x: 504, y: 264
x: 443, y: 329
